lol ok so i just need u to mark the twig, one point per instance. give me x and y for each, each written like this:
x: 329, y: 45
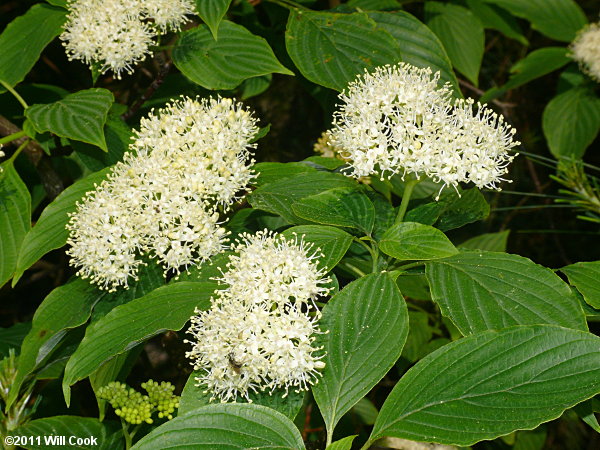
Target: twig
x: 51, y: 182
x: 160, y: 78
x: 478, y: 91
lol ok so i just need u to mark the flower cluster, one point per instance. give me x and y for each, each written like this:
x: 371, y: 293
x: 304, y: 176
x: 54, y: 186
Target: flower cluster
x: 259, y: 332
x: 161, y: 200
x: 398, y: 120
x: 117, y: 34
x: 135, y: 408
x: 585, y: 49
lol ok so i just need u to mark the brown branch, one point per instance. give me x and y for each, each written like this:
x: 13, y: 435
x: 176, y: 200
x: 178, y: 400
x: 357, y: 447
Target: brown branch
x: 503, y: 105
x: 51, y: 182
x: 160, y: 78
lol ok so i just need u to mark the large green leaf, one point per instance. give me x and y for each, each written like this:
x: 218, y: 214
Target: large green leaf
x: 462, y: 34
x: 571, y: 122
x: 482, y: 291
x: 268, y: 172
x: 419, y: 45
x: 490, y: 384
x: 15, y: 219
x: 367, y: 324
x: 411, y: 240
x: 558, y: 19
x: 212, y: 12
x: 49, y: 232
x: 165, y: 308
x: 224, y: 63
x: 194, y: 396
x: 497, y: 19
x: 342, y: 444
x: 342, y: 207
x: 332, y: 242
x: 68, y: 307
x: 99, y: 435
x: 585, y: 276
x: 278, y: 197
x: 23, y: 40
x: 225, y: 426
x: 80, y: 116
x: 118, y: 138
x: 537, y: 64
x: 331, y: 49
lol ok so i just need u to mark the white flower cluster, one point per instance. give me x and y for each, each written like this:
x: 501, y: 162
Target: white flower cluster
x: 398, y: 120
x: 585, y: 49
x: 161, y: 200
x: 259, y: 333
x: 117, y: 34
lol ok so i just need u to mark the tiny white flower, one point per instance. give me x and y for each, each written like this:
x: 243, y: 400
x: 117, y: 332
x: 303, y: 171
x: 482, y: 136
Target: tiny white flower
x: 252, y: 340
x: 399, y: 120
x: 161, y: 199
x: 117, y: 34
x: 585, y: 49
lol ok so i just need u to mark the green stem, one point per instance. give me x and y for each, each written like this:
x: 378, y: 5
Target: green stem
x: 367, y: 445
x: 128, y: 440
x: 329, y: 438
x: 12, y: 137
x: 408, y: 189
x: 373, y: 251
x: 15, y: 94
x: 411, y: 265
x: 19, y: 150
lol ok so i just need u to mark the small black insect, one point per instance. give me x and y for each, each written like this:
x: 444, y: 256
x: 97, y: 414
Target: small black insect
x: 235, y: 365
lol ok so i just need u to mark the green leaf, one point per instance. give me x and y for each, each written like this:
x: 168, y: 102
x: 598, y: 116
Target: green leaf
x: 278, y: 197
x: 489, y: 242
x: 107, y: 435
x: 482, y: 291
x: 457, y: 211
x: 15, y: 219
x: 331, y: 49
x: 497, y: 19
x: 80, y: 116
x: 557, y: 19
x: 224, y: 63
x: 419, y: 335
x: 165, y: 308
x: 374, y: 5
x: 490, y: 384
x: 225, y: 426
x: 462, y: 34
x: 411, y: 240
x: 70, y: 306
x: 367, y: 325
x: 419, y: 45
x: 571, y: 122
x: 193, y: 397
x: 268, y: 172
x: 118, y: 137
x: 584, y: 276
x: 212, y: 12
x: 24, y: 39
x: 537, y: 64
x: 332, y: 242
x: 255, y: 86
x: 342, y: 444
x: 342, y: 207
x: 49, y: 232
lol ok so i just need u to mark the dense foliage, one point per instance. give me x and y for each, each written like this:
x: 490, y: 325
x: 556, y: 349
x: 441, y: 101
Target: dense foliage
x: 295, y: 215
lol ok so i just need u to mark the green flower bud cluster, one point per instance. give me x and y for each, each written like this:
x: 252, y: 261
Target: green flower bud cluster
x: 161, y: 395
x: 136, y: 408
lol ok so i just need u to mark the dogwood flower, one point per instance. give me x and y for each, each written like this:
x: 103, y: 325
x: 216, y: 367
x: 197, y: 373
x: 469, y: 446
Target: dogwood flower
x: 585, y: 49
x: 399, y: 120
x: 260, y: 330
x: 117, y: 34
x: 160, y: 200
